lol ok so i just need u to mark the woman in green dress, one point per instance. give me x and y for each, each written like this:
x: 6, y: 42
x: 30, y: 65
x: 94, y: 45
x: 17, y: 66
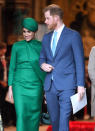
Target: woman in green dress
x: 25, y: 78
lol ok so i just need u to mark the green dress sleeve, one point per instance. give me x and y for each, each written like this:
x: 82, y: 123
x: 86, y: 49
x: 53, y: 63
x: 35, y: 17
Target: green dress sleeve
x: 12, y: 65
x: 36, y: 46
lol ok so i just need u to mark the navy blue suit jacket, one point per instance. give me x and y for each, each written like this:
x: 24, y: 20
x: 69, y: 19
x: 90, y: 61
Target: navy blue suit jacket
x: 68, y: 61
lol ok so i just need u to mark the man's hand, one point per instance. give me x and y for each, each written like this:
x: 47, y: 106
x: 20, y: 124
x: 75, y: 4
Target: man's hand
x: 81, y: 91
x: 47, y: 67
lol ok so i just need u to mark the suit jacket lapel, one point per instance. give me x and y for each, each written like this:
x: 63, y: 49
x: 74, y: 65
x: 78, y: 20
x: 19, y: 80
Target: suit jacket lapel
x: 60, y: 41
x: 49, y: 45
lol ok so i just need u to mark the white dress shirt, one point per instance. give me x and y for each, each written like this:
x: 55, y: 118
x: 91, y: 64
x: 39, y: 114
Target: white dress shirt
x: 58, y: 34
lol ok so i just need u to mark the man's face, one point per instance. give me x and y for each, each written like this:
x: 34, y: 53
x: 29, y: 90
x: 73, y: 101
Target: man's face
x: 28, y: 35
x: 50, y: 20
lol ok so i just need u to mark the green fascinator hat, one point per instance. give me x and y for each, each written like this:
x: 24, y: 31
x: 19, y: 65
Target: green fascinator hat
x: 30, y: 24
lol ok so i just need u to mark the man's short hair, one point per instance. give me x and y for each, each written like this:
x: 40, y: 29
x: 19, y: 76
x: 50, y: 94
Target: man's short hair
x: 54, y: 10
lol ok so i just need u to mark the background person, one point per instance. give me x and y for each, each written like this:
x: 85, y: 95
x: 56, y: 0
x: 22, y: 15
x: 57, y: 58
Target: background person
x: 3, y: 84
x: 91, y: 72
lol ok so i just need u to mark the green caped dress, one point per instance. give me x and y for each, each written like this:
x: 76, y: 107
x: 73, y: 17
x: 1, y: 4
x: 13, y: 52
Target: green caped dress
x: 26, y: 80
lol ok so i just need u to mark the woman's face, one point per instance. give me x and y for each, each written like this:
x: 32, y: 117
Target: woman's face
x: 3, y: 51
x: 28, y: 35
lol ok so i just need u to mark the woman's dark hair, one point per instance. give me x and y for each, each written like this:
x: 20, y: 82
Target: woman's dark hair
x: 3, y: 45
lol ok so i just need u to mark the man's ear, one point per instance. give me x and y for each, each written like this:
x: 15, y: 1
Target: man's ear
x: 56, y: 17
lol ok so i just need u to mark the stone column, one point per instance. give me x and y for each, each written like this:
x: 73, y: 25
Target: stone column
x: 37, y: 10
x: 64, y: 4
x: 1, y: 27
x: 43, y: 5
x: 91, y: 12
x: 0, y: 22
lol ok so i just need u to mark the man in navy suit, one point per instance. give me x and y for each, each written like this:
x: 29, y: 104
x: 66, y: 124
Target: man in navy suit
x: 62, y: 58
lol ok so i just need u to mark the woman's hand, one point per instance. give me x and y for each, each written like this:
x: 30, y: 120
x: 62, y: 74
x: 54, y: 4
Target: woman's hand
x: 10, y: 92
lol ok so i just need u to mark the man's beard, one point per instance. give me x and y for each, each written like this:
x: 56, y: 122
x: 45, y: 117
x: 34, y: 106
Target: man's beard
x: 52, y: 26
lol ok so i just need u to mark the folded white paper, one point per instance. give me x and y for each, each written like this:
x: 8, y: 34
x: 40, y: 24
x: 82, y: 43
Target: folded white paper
x: 78, y: 104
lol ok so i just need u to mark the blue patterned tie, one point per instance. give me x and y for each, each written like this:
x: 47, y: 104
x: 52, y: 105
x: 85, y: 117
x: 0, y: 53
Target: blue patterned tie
x: 54, y: 43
